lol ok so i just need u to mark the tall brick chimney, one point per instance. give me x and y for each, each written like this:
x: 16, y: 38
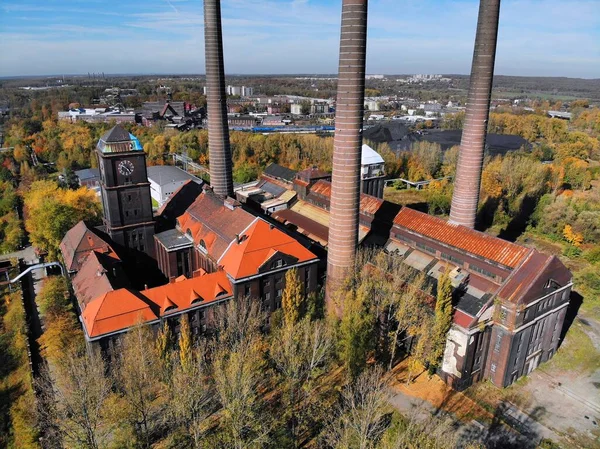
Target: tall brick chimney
x: 345, y: 184
x: 470, y: 160
x: 218, y: 131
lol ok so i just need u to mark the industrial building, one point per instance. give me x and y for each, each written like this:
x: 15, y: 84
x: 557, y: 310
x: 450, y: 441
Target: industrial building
x: 166, y: 180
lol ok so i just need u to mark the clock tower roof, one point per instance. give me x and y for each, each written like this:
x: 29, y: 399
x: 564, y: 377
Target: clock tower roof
x: 118, y: 140
x: 116, y: 134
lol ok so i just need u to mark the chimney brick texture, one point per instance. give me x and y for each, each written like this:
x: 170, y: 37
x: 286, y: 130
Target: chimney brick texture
x: 467, y: 182
x: 218, y: 131
x: 345, y: 185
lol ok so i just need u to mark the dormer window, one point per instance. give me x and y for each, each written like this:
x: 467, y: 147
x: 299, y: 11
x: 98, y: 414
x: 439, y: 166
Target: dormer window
x: 278, y: 263
x: 202, y: 246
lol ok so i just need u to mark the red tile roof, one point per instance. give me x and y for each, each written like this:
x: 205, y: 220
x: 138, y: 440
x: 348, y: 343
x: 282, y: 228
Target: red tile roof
x: 120, y: 309
x: 77, y: 244
x: 99, y: 274
x: 209, y: 220
x: 258, y: 244
x: 368, y: 204
x: 115, y: 311
x: 460, y: 237
x: 190, y: 292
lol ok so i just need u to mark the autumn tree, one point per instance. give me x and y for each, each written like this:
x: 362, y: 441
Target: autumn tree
x: 137, y: 377
x: 442, y: 321
x: 11, y: 232
x: 356, y: 329
x: 52, y: 211
x: 236, y: 367
x: 299, y: 349
x: 192, y: 396
x: 53, y: 298
x: 360, y: 419
x: 185, y: 343
x: 292, y: 298
x: 76, y: 396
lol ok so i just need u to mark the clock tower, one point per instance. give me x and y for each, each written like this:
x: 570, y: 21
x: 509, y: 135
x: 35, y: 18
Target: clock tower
x: 125, y: 191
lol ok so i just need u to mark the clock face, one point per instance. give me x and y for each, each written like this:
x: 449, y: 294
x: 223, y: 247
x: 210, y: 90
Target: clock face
x: 125, y: 168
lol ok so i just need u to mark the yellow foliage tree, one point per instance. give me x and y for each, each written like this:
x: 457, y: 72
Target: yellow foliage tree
x: 292, y: 298
x: 574, y: 238
x: 51, y: 211
x: 185, y: 344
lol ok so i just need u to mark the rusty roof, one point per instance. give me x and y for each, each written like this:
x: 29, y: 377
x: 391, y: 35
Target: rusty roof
x: 368, y: 204
x: 529, y: 279
x: 460, y: 237
x: 257, y: 245
x: 310, y: 228
x: 212, y: 224
x: 312, y: 173
x: 79, y: 242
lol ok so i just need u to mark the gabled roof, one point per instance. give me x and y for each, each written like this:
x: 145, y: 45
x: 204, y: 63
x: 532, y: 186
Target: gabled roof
x: 528, y: 280
x: 210, y: 222
x: 115, y: 311
x: 99, y: 274
x: 460, y: 237
x: 368, y: 204
x: 279, y: 172
x: 257, y: 245
x: 79, y: 242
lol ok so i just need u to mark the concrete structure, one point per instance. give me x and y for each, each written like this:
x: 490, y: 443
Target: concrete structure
x: 218, y: 131
x: 345, y: 188
x: 372, y: 172
x: 166, y: 180
x: 470, y: 160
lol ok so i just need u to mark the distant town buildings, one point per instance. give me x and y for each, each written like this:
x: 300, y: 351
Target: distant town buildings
x: 99, y: 115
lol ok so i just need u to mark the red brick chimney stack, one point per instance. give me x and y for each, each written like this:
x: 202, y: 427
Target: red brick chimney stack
x: 345, y: 185
x: 218, y: 131
x: 470, y: 160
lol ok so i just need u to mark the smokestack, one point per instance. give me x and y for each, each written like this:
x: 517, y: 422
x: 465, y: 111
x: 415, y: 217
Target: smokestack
x: 218, y: 131
x: 470, y: 160
x: 345, y: 185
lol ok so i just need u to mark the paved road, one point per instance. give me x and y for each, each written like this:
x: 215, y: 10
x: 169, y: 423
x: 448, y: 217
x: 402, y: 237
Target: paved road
x: 510, y: 427
x: 26, y: 254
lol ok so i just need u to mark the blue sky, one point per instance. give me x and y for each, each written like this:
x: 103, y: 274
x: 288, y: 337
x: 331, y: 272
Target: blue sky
x: 536, y: 37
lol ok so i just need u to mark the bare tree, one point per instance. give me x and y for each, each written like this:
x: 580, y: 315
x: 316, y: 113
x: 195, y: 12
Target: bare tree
x: 75, y: 397
x: 360, y: 421
x: 192, y: 392
x: 138, y: 377
x: 298, y: 350
x: 237, y: 321
x: 237, y: 370
x: 421, y: 430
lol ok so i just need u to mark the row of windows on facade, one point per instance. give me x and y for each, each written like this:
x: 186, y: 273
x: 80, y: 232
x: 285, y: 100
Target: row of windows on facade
x: 449, y: 257
x: 546, y: 304
x: 266, y: 284
x: 136, y: 240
